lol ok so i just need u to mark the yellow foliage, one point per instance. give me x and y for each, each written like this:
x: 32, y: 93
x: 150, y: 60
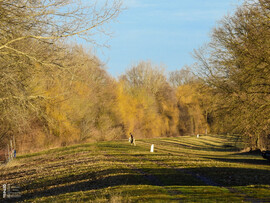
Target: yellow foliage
x: 192, y: 114
x: 140, y: 113
x: 58, y: 111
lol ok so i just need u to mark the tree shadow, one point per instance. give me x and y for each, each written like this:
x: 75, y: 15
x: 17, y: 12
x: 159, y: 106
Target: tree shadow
x: 242, y: 161
x: 251, y: 153
x: 229, y: 176
x: 205, y: 176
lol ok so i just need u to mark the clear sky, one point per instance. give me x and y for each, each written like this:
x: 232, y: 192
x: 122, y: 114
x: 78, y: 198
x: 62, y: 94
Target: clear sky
x: 162, y: 31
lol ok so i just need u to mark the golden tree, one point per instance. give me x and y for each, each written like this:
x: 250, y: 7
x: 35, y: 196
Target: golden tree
x: 33, y: 52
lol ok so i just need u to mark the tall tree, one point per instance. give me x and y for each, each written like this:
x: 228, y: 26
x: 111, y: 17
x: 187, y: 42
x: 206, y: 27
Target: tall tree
x: 237, y: 68
x: 32, y: 51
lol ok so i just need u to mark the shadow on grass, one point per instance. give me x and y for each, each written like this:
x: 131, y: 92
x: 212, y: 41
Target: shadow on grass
x: 148, y: 176
x: 251, y: 153
x: 230, y: 177
x: 242, y: 161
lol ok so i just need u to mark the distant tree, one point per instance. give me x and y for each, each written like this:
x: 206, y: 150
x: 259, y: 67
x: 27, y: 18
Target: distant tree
x: 148, y: 102
x: 146, y: 75
x: 193, y: 103
x: 181, y: 77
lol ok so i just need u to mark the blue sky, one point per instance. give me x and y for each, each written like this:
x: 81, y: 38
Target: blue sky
x: 162, y: 31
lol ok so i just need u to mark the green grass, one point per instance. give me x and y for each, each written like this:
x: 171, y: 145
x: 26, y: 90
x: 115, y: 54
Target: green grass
x: 183, y: 169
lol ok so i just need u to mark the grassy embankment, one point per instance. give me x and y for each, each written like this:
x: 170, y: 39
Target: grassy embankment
x: 188, y: 169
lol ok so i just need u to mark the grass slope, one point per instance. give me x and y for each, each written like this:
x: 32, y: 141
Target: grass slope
x: 184, y: 169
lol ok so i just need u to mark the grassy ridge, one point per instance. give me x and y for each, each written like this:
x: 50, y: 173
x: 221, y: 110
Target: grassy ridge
x: 208, y: 169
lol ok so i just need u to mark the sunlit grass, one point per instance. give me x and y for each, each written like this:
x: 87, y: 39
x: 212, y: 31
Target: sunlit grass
x: 188, y: 169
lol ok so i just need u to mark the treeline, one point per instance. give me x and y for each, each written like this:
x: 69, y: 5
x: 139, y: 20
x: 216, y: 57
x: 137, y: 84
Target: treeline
x: 151, y: 106
x: 86, y: 104
x: 53, y: 93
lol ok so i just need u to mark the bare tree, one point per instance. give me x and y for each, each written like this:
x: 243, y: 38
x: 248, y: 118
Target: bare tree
x: 236, y: 65
x: 33, y: 50
x: 146, y: 75
x: 181, y: 77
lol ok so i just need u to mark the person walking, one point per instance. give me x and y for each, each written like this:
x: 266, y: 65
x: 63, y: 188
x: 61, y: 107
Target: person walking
x: 131, y: 138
